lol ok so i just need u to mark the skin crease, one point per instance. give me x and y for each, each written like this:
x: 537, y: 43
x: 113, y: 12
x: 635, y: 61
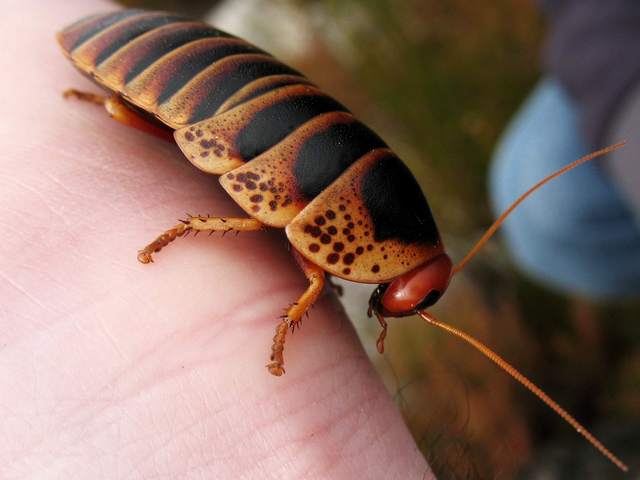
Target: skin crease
x: 110, y: 369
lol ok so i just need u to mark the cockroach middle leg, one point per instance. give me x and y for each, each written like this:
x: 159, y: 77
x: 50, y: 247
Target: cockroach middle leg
x: 198, y: 223
x: 316, y: 277
x: 121, y: 112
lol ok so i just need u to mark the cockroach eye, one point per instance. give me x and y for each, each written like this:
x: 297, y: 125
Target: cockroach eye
x: 419, y: 288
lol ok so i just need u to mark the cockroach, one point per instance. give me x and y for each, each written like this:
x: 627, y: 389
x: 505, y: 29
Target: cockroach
x: 290, y: 156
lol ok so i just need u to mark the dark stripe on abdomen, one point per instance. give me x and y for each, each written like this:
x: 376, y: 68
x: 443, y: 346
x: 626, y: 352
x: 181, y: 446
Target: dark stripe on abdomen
x: 223, y: 86
x: 74, y: 36
x: 327, y: 154
x: 168, y: 41
x: 272, y: 124
x: 398, y: 208
x: 130, y: 30
x: 190, y: 64
x: 260, y: 87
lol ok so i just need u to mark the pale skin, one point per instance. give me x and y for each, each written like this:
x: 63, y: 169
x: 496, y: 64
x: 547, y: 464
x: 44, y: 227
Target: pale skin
x: 112, y: 369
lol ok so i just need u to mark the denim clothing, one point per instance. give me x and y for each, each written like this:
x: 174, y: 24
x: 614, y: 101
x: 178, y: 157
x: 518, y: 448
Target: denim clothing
x: 576, y: 233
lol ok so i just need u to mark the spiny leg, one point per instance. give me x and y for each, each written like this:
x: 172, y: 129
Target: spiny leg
x: 121, y: 112
x: 315, y: 276
x: 199, y: 223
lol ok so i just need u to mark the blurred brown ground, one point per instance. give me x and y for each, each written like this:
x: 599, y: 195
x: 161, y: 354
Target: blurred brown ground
x: 439, y: 81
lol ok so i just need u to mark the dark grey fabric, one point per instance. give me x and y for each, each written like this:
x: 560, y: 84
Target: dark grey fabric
x: 593, y: 49
x: 624, y: 164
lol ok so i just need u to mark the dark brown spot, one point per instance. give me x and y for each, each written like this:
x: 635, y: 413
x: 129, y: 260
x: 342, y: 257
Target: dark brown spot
x: 348, y: 258
x: 250, y: 185
x: 359, y: 250
x: 189, y: 137
x: 351, y: 238
x: 199, y: 133
x: 324, y: 238
x: 237, y: 187
x: 347, y: 217
x: 319, y: 220
x: 330, y: 214
x: 314, y: 247
x: 253, y: 176
x: 231, y: 176
x: 385, y: 257
x: 346, y: 271
x: 204, y: 154
x: 315, y: 232
x: 342, y: 208
x: 338, y: 246
x: 375, y: 268
x: 255, y: 208
x: 369, y: 247
x: 256, y: 198
x: 242, y: 177
x: 273, y: 205
x: 263, y: 187
x: 332, y: 230
x: 350, y: 225
x: 333, y: 258
x: 346, y: 231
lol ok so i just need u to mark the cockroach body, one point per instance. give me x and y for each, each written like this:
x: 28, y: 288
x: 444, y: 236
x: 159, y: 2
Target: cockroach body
x: 289, y: 155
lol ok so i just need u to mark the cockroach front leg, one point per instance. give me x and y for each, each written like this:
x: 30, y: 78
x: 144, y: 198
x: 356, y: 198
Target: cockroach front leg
x: 383, y: 332
x: 198, y: 224
x: 292, y: 318
x: 121, y: 112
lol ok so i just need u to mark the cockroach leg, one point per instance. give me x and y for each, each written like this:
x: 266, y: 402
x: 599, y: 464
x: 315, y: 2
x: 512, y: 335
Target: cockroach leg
x: 276, y: 367
x: 291, y: 320
x: 383, y: 333
x: 198, y: 223
x: 121, y: 112
x: 85, y: 96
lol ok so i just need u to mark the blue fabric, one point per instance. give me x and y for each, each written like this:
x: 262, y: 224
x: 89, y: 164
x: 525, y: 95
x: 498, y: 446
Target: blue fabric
x: 575, y: 234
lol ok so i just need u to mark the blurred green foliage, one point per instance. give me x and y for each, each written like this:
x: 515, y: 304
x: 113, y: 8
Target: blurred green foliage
x: 194, y: 8
x: 439, y: 81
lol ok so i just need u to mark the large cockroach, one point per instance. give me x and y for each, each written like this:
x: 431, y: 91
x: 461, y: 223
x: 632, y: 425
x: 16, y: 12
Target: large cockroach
x: 289, y: 155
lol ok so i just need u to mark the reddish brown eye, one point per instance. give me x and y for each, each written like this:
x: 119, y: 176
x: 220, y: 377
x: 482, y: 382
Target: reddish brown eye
x: 419, y: 288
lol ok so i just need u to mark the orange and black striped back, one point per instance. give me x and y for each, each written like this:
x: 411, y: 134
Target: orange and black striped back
x: 179, y: 70
x: 287, y: 150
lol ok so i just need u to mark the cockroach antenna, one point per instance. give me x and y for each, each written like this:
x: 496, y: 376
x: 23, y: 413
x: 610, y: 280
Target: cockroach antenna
x: 498, y: 223
x: 494, y: 357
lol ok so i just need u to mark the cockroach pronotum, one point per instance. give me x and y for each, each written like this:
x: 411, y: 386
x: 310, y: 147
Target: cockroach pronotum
x: 289, y: 155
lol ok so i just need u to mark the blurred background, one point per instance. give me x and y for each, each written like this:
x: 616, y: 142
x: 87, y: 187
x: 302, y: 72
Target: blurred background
x: 439, y: 81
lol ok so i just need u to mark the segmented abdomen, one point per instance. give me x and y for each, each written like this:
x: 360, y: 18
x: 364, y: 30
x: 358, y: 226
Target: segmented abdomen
x: 286, y: 148
x: 177, y: 69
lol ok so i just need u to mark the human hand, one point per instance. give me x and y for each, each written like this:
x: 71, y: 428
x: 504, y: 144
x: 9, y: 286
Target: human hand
x: 113, y: 369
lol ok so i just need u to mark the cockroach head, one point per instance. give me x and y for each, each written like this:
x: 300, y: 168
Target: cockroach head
x: 415, y: 290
